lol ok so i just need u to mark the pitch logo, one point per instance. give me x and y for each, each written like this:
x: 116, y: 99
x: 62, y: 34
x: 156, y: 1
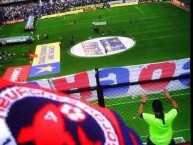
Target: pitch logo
x: 103, y: 46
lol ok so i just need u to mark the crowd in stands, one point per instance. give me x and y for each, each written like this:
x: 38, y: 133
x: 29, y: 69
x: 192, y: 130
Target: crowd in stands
x: 25, y: 9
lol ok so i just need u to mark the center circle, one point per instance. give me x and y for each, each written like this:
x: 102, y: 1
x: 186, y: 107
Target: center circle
x: 102, y: 46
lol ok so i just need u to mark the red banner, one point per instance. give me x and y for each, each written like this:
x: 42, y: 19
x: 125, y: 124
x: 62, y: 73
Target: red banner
x: 13, y: 21
x: 17, y: 74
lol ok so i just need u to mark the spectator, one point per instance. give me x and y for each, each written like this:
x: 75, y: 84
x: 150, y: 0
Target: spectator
x: 123, y: 32
x: 38, y: 37
x: 95, y: 29
x: 160, y: 123
x: 24, y: 54
x: 1, y: 67
x: 29, y: 50
x: 137, y: 21
x: 72, y: 37
x: 43, y: 116
x: 103, y: 33
x: 108, y: 32
x: 60, y: 44
x: 11, y: 56
x: 46, y: 36
x: 72, y: 41
x: 130, y: 22
x: 99, y: 16
x: 60, y: 38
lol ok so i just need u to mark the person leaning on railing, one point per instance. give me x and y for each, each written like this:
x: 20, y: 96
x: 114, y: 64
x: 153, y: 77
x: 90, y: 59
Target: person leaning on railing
x: 160, y: 123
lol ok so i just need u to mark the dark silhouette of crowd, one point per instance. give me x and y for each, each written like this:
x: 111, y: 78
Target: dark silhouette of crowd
x: 23, y: 10
x: 6, y: 57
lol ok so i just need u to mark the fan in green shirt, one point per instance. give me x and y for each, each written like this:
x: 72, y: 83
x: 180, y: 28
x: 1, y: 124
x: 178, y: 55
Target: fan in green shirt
x: 160, y: 123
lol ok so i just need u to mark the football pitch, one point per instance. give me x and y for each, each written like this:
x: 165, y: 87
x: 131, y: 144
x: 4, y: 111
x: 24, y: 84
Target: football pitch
x: 161, y: 31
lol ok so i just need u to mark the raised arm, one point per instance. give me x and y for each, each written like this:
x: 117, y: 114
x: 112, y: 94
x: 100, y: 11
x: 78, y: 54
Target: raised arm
x: 143, y: 101
x: 172, y: 101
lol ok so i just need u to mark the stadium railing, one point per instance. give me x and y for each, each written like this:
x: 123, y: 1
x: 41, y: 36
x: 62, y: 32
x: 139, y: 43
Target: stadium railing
x: 112, y: 96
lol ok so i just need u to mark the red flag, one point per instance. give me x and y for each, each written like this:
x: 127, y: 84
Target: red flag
x: 17, y: 74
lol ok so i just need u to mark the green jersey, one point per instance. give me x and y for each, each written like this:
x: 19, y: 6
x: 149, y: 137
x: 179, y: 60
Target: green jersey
x: 160, y: 134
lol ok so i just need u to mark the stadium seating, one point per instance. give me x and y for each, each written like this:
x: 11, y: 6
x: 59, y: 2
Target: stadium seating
x: 22, y: 11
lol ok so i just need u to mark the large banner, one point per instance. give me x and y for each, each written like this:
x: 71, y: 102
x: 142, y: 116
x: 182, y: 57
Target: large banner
x: 16, y: 40
x: 125, y: 74
x: 145, y: 72
x: 99, y: 23
x: 120, y: 3
x: 17, y: 74
x: 47, y: 60
x: 30, y: 23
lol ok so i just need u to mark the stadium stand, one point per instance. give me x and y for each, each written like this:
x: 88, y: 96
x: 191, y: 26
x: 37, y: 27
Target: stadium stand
x: 18, y: 11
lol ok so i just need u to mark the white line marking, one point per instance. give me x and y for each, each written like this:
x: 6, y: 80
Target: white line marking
x: 161, y: 37
x: 138, y: 9
x: 187, y: 129
x: 148, y: 99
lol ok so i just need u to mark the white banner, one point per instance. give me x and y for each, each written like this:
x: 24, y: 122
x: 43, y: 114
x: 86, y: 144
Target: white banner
x: 135, y: 73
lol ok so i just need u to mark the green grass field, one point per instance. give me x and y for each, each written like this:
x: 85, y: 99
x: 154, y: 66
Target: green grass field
x: 128, y: 108
x: 163, y: 33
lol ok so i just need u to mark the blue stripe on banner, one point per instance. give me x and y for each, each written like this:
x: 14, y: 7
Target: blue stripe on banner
x: 45, y: 69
